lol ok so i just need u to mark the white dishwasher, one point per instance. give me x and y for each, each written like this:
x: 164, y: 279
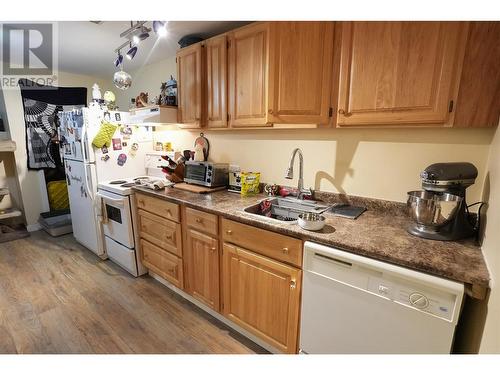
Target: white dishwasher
x: 356, y: 305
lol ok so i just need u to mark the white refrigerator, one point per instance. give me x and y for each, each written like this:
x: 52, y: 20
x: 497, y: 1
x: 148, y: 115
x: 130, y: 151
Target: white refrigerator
x: 86, y: 165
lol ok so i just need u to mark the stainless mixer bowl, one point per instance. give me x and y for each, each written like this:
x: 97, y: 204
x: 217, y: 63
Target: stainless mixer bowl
x: 432, y: 210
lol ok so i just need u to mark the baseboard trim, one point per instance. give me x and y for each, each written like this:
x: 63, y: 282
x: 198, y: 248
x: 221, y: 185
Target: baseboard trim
x: 215, y: 314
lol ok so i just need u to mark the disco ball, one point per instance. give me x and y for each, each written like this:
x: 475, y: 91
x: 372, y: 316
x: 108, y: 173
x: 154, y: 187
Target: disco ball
x: 122, y: 80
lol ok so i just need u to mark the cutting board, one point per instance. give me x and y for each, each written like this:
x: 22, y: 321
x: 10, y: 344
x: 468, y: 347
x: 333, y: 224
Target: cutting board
x: 197, y: 189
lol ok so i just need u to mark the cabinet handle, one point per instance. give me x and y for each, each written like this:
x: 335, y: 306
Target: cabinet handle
x: 293, y: 284
x: 285, y: 250
x: 229, y: 231
x: 344, y: 113
x: 270, y: 111
x: 213, y: 249
x: 169, y: 237
x: 141, y: 202
x: 198, y: 220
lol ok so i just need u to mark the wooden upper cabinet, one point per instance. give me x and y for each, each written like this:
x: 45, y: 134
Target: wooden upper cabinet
x: 201, y: 267
x: 262, y: 296
x: 248, y: 75
x: 300, y: 72
x: 216, y: 52
x: 399, y: 72
x: 478, y: 103
x: 190, y: 85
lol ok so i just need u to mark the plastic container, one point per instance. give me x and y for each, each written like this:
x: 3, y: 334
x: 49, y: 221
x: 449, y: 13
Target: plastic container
x: 56, y: 223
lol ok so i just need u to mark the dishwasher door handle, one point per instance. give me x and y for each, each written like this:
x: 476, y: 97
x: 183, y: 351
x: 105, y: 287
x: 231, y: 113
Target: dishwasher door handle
x: 328, y: 258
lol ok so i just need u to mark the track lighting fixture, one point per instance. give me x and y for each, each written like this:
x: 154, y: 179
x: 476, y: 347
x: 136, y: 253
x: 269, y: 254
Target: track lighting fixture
x: 144, y: 33
x: 119, y: 59
x: 160, y: 28
x: 131, y: 52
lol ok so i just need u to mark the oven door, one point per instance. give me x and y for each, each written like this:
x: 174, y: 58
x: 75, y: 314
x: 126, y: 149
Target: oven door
x: 117, y: 214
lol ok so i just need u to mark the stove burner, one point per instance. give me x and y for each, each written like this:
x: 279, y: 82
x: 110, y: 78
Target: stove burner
x: 117, y: 182
x: 128, y: 184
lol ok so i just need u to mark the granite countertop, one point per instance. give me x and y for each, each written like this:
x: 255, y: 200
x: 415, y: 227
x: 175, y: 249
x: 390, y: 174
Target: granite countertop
x: 379, y: 233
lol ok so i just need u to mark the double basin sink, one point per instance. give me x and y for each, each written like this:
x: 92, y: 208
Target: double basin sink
x: 285, y: 209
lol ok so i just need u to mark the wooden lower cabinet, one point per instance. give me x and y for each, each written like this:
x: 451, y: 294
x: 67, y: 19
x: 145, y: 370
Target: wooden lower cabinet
x: 162, y: 262
x: 201, y: 265
x: 262, y: 296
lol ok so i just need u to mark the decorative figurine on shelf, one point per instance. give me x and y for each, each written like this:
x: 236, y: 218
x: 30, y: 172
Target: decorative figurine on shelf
x: 110, y: 100
x: 96, y: 93
x: 141, y: 100
x: 171, y: 89
x: 162, y: 99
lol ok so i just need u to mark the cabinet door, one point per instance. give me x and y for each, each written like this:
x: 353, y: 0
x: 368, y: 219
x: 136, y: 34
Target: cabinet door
x: 190, y: 85
x: 248, y: 75
x: 262, y: 296
x: 216, y: 50
x: 201, y: 262
x: 478, y: 103
x: 399, y: 72
x: 300, y: 72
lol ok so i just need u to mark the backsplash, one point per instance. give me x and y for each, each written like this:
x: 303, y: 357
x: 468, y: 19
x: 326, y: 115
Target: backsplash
x: 374, y: 163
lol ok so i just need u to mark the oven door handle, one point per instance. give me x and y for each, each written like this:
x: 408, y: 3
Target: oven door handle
x: 116, y: 202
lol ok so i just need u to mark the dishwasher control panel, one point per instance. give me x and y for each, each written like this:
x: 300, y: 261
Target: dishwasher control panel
x: 420, y: 297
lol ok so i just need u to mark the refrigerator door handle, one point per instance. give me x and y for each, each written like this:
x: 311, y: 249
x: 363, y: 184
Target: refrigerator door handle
x: 85, y: 144
x: 88, y: 181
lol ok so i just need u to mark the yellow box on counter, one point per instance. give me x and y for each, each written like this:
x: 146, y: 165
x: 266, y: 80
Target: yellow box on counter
x: 250, y: 182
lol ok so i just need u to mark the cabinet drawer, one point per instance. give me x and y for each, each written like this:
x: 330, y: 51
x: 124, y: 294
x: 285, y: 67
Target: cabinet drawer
x: 202, y: 221
x: 161, y: 262
x: 158, y: 207
x: 161, y: 232
x: 274, y: 245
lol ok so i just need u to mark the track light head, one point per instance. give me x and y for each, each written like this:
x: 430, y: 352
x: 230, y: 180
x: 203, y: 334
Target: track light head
x: 160, y: 28
x: 131, y: 52
x: 119, y: 59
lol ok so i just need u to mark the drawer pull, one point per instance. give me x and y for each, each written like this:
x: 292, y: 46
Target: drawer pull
x: 293, y: 284
x: 285, y: 250
x: 229, y: 231
x: 198, y: 220
x: 141, y: 202
x: 213, y: 249
x: 168, y: 236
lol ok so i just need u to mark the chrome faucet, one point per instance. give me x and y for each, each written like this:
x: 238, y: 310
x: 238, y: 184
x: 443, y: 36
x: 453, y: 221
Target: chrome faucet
x: 289, y: 174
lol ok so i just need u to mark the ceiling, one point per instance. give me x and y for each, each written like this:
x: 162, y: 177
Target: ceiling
x: 88, y: 48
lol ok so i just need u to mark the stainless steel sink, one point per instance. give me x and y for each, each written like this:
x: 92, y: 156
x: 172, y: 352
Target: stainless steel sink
x: 285, y: 209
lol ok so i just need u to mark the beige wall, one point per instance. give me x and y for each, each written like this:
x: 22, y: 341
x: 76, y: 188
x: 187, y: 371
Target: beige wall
x: 146, y: 79
x: 377, y: 163
x: 33, y: 191
x: 491, y: 248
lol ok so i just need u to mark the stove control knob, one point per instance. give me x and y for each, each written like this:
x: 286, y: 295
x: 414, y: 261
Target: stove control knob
x: 209, y: 180
x: 418, y: 300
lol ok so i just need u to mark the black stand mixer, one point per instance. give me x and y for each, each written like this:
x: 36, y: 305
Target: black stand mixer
x: 440, y: 210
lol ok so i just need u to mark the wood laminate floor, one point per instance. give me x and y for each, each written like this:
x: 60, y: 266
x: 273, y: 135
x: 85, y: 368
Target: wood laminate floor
x: 58, y: 297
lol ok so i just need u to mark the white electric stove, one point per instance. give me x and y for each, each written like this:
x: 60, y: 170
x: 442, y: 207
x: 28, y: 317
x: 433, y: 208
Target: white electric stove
x: 119, y: 228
